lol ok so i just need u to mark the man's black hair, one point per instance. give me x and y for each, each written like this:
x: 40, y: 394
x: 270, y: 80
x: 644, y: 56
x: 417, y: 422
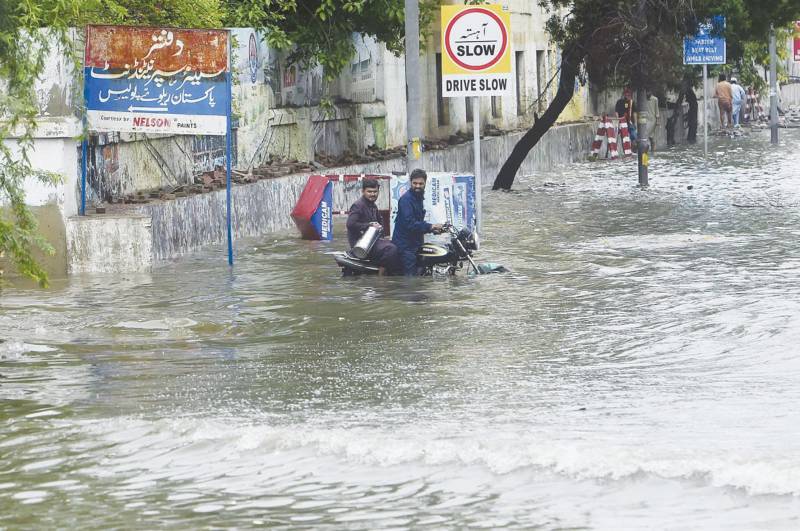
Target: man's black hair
x: 722, y: 77
x: 369, y: 183
x: 419, y: 172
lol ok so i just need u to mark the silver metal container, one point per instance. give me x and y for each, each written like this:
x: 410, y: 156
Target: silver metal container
x: 364, y: 244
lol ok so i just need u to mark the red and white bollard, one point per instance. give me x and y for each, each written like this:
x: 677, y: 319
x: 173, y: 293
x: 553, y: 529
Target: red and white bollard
x: 612, y: 139
x: 626, y: 136
x: 598, y: 138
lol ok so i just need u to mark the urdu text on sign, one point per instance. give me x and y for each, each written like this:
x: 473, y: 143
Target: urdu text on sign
x: 156, y: 80
x: 476, y: 51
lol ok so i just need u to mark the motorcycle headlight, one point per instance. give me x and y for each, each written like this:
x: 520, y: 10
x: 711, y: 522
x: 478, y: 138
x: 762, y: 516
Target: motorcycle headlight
x: 469, y: 239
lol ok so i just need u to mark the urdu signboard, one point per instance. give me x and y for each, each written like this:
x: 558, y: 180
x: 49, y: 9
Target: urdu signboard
x: 707, y: 47
x: 156, y: 80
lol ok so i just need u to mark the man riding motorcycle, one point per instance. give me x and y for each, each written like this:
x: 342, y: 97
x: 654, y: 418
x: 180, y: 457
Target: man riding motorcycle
x: 410, y: 226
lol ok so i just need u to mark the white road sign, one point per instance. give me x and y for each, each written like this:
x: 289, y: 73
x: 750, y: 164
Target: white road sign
x: 476, y: 51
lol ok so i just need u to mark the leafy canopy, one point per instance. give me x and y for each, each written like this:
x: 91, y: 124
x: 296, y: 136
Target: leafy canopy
x: 22, y: 55
x: 640, y: 41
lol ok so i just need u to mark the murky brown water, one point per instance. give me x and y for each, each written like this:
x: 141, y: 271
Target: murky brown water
x: 638, y: 369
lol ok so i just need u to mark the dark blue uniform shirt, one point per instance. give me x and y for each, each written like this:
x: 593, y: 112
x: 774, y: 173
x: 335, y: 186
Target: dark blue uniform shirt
x: 410, y: 226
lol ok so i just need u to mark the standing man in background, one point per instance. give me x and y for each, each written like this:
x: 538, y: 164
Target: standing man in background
x: 724, y: 95
x: 738, y: 97
x: 624, y: 108
x: 652, y: 108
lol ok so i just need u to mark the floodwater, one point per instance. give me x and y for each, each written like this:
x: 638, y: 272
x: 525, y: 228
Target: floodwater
x: 639, y: 368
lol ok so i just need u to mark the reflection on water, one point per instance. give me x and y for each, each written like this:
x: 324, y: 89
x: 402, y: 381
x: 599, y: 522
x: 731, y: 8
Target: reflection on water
x: 637, y: 369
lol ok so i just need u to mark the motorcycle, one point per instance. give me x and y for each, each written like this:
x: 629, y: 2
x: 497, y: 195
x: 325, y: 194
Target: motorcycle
x: 432, y: 257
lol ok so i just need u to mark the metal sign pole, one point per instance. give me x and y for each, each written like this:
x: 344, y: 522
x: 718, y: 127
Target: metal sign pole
x: 84, y: 152
x: 476, y: 145
x: 705, y: 110
x: 228, y: 151
x: 85, y: 143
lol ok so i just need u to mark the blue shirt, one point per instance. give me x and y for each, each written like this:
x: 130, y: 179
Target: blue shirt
x: 738, y: 94
x: 410, y: 226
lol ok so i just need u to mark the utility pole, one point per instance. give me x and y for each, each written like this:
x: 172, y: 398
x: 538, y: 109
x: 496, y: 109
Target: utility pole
x: 413, y: 87
x: 773, y: 87
x: 641, y: 105
x: 643, y: 142
x: 705, y: 112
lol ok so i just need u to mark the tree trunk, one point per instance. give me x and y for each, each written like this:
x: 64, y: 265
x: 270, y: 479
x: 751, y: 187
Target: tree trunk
x: 570, y: 59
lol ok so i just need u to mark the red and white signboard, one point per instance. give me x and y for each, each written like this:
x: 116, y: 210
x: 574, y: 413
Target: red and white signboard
x: 797, y: 41
x: 476, y: 51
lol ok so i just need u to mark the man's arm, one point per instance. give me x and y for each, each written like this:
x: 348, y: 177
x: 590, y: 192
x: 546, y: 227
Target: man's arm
x: 355, y: 220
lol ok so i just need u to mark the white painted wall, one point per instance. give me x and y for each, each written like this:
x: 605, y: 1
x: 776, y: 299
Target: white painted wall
x: 55, y: 150
x: 381, y: 87
x: 528, y: 36
x: 393, y: 94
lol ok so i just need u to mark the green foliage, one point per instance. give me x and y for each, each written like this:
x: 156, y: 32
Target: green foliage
x: 176, y: 13
x: 23, y: 49
x: 639, y: 42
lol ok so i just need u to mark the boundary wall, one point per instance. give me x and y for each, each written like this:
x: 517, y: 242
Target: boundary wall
x: 142, y: 237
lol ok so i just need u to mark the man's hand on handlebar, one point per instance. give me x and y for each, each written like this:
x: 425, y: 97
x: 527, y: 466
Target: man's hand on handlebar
x: 437, y: 228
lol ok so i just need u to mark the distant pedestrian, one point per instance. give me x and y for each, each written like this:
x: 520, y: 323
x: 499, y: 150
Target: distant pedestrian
x: 738, y: 97
x: 624, y: 109
x: 724, y: 96
x: 754, y: 105
x: 748, y: 106
x: 655, y: 115
x: 691, y: 117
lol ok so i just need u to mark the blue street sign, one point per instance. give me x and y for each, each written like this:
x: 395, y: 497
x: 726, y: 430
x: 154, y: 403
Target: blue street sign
x: 707, y: 47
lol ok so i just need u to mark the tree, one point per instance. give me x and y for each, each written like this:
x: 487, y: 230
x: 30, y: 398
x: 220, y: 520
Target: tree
x: 23, y: 49
x: 636, y: 42
x: 176, y: 13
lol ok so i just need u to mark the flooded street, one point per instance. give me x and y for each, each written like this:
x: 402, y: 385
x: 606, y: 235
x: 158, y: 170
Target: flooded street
x: 638, y: 369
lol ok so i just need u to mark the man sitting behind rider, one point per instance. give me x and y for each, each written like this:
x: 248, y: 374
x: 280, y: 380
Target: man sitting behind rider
x: 410, y: 226
x: 364, y: 214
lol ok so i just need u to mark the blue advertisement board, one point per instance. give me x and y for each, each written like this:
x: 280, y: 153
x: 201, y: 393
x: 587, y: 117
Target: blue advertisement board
x: 707, y: 47
x: 322, y: 220
x: 157, y: 80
